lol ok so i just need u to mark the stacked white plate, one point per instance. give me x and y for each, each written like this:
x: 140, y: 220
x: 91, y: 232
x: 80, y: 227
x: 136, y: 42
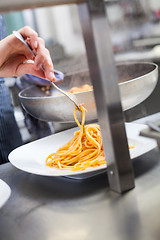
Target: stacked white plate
x: 5, y: 193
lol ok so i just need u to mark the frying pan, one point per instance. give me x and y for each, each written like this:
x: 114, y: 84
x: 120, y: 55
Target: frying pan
x: 136, y: 82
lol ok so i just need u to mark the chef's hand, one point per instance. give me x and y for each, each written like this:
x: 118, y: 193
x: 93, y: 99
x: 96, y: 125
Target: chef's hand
x: 14, y: 56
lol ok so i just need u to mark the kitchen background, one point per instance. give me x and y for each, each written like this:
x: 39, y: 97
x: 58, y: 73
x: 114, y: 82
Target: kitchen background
x: 135, y: 34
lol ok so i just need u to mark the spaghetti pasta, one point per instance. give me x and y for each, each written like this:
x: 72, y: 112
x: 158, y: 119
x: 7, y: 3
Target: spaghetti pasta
x: 82, y: 151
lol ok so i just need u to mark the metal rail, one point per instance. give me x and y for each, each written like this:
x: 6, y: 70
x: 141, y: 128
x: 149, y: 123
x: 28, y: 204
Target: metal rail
x: 14, y: 5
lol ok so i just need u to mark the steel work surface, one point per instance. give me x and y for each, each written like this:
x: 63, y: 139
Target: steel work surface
x: 47, y: 208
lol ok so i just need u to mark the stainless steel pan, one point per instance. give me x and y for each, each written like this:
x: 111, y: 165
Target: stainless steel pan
x: 136, y: 83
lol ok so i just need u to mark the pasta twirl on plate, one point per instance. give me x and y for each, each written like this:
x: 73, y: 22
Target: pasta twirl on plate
x: 82, y: 151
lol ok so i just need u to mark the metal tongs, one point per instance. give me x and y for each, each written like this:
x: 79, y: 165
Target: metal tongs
x: 153, y: 126
x: 71, y: 96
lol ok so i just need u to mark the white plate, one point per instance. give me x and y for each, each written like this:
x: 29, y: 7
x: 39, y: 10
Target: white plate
x: 5, y: 192
x: 31, y: 157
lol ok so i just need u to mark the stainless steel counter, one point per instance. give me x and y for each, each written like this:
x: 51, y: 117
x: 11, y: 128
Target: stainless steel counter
x: 47, y: 208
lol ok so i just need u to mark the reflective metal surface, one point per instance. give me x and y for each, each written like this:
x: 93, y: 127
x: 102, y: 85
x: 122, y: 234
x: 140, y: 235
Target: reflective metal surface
x: 136, y: 83
x: 47, y: 208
